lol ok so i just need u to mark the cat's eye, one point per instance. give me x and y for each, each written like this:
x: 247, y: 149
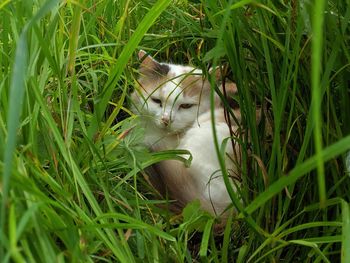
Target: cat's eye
x: 186, y: 106
x: 158, y: 101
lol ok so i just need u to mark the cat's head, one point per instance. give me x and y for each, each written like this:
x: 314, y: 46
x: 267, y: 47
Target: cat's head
x: 171, y: 95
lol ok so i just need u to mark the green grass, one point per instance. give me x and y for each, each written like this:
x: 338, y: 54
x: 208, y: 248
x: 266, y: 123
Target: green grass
x: 72, y: 185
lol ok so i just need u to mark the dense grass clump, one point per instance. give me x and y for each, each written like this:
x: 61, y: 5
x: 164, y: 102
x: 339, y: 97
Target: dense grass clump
x: 73, y: 186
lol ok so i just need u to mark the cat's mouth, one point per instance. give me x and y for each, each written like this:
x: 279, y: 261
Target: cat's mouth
x: 170, y: 129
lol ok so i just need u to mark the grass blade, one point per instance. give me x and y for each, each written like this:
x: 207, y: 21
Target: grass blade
x: 316, y: 61
x: 16, y: 98
x: 345, y: 250
x: 205, y: 239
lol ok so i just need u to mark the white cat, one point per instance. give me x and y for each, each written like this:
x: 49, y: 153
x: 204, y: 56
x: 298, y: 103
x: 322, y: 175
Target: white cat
x: 174, y: 104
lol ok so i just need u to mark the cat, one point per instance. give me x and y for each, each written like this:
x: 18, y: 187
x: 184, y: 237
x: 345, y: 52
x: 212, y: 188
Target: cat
x: 173, y: 102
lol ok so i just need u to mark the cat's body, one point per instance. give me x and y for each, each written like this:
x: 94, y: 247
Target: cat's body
x: 174, y: 105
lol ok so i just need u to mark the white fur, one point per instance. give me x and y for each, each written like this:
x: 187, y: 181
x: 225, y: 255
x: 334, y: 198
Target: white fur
x: 205, y: 168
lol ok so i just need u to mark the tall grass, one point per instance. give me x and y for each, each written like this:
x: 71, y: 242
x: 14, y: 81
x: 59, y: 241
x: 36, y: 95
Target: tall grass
x: 72, y: 181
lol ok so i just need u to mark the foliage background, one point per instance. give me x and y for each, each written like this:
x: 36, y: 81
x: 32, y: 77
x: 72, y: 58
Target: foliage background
x: 72, y: 182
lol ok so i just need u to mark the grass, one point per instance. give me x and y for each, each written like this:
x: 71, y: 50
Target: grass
x: 72, y: 182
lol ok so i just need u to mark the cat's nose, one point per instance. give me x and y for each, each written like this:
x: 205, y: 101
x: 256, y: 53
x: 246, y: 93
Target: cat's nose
x: 165, y: 120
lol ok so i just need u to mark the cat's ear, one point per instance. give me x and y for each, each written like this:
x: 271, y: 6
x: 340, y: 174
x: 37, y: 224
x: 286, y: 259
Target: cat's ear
x: 146, y: 60
x: 151, y: 67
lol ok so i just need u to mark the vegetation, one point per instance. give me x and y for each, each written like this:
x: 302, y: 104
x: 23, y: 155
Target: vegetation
x: 71, y: 163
